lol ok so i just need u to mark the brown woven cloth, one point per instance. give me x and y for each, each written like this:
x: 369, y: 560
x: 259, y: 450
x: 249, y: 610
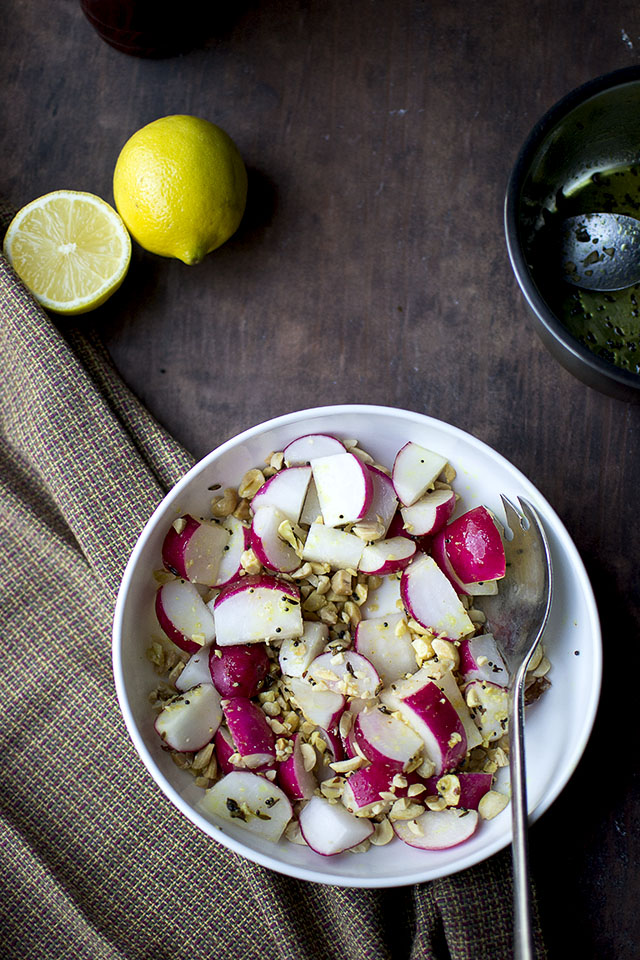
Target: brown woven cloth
x: 94, y: 861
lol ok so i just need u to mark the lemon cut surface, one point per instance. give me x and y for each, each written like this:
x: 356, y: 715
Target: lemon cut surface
x: 71, y: 249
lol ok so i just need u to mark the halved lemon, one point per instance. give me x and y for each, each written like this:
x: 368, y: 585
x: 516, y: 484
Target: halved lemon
x: 71, y: 249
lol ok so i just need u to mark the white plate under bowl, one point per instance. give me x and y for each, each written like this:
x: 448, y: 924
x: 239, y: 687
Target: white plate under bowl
x: 558, y: 725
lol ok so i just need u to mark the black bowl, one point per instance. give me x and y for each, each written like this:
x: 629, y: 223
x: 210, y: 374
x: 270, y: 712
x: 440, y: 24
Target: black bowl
x: 595, y: 127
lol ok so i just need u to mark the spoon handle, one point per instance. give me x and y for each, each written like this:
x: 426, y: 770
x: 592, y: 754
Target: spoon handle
x: 523, y: 944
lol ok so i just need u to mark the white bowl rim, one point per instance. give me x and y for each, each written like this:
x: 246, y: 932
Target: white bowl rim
x: 325, y: 877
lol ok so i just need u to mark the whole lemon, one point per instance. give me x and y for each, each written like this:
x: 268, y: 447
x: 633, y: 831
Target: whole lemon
x: 181, y: 187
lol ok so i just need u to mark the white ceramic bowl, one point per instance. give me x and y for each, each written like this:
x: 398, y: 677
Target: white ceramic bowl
x: 557, y: 726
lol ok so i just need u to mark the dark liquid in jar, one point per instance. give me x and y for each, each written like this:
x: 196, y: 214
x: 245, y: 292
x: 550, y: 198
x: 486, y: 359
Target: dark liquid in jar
x: 607, y: 323
x: 148, y: 28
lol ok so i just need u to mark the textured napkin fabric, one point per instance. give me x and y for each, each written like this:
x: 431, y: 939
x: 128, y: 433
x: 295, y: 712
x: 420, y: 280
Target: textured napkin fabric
x: 94, y: 861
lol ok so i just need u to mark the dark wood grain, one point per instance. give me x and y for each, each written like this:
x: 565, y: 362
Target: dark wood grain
x: 371, y: 267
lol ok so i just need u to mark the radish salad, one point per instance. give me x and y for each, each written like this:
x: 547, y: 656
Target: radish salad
x: 326, y: 674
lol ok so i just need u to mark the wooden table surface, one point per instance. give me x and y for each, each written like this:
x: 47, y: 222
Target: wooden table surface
x: 371, y: 267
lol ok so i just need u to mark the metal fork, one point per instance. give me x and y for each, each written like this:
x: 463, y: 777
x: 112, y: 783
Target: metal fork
x: 517, y: 616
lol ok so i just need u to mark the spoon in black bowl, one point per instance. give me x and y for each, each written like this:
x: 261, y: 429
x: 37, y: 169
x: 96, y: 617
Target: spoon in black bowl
x: 601, y: 251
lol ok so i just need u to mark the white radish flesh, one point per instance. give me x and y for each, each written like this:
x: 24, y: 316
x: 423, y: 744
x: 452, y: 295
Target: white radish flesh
x: 387, y: 556
x: 312, y: 445
x: 257, y: 608
x: 285, y: 490
x: 431, y: 600
x: 384, y: 501
x: 189, y: 722
x: 329, y: 828
x: 429, y: 514
x: 414, y: 470
x: 480, y: 659
x: 344, y: 488
x: 385, y: 739
x: 272, y: 551
x: 184, y: 616
x: 383, y: 599
x: 296, y: 653
x: 252, y: 736
x: 438, y: 829
x: 311, y: 511
x: 231, y: 560
x: 249, y: 801
x: 196, y: 670
x: 322, y: 707
x: 386, y: 642
x: 297, y: 782
x: 347, y: 673
x: 193, y: 549
x: 340, y: 550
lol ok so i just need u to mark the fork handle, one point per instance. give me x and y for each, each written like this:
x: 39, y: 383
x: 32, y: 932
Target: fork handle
x: 523, y: 943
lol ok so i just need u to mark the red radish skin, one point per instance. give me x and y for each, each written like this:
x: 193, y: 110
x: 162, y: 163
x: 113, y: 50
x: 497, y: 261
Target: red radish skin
x: 304, y: 449
x: 193, y: 549
x: 473, y: 787
x: 436, y: 548
x: 387, y: 556
x: 480, y: 659
x: 255, y: 608
x: 474, y: 547
x: 441, y: 829
x: 433, y: 717
x: 344, y: 487
x: 297, y: 783
x: 384, y: 502
x: 238, y: 671
x: 252, y: 736
x: 330, y: 829
x: 286, y: 491
x: 225, y: 749
x: 363, y: 789
x: 270, y: 549
x: 182, y: 615
x: 429, y: 514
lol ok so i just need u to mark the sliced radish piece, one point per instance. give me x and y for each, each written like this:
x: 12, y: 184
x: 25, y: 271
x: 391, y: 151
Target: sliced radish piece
x: 193, y: 549
x: 285, y: 490
x: 310, y: 447
x: 253, y: 609
x: 311, y: 510
x: 440, y: 829
x: 239, y: 541
x: 387, y: 556
x: 480, y: 659
x: 297, y: 782
x: 296, y: 653
x: 322, y: 707
x: 362, y: 791
x: 196, y: 670
x: 473, y: 787
x: 474, y: 546
x: 238, y: 671
x: 329, y: 828
x: 489, y: 706
x: 272, y: 551
x: 184, y: 616
x: 429, y: 514
x: 252, y: 736
x: 190, y: 721
x: 383, y: 642
x: 414, y: 470
x: 344, y: 487
x: 340, y: 550
x: 225, y: 750
x: 429, y: 712
x: 384, y: 501
x: 431, y: 600
x: 249, y: 801
x: 346, y: 672
x: 383, y: 599
x: 385, y: 739
x: 484, y: 588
